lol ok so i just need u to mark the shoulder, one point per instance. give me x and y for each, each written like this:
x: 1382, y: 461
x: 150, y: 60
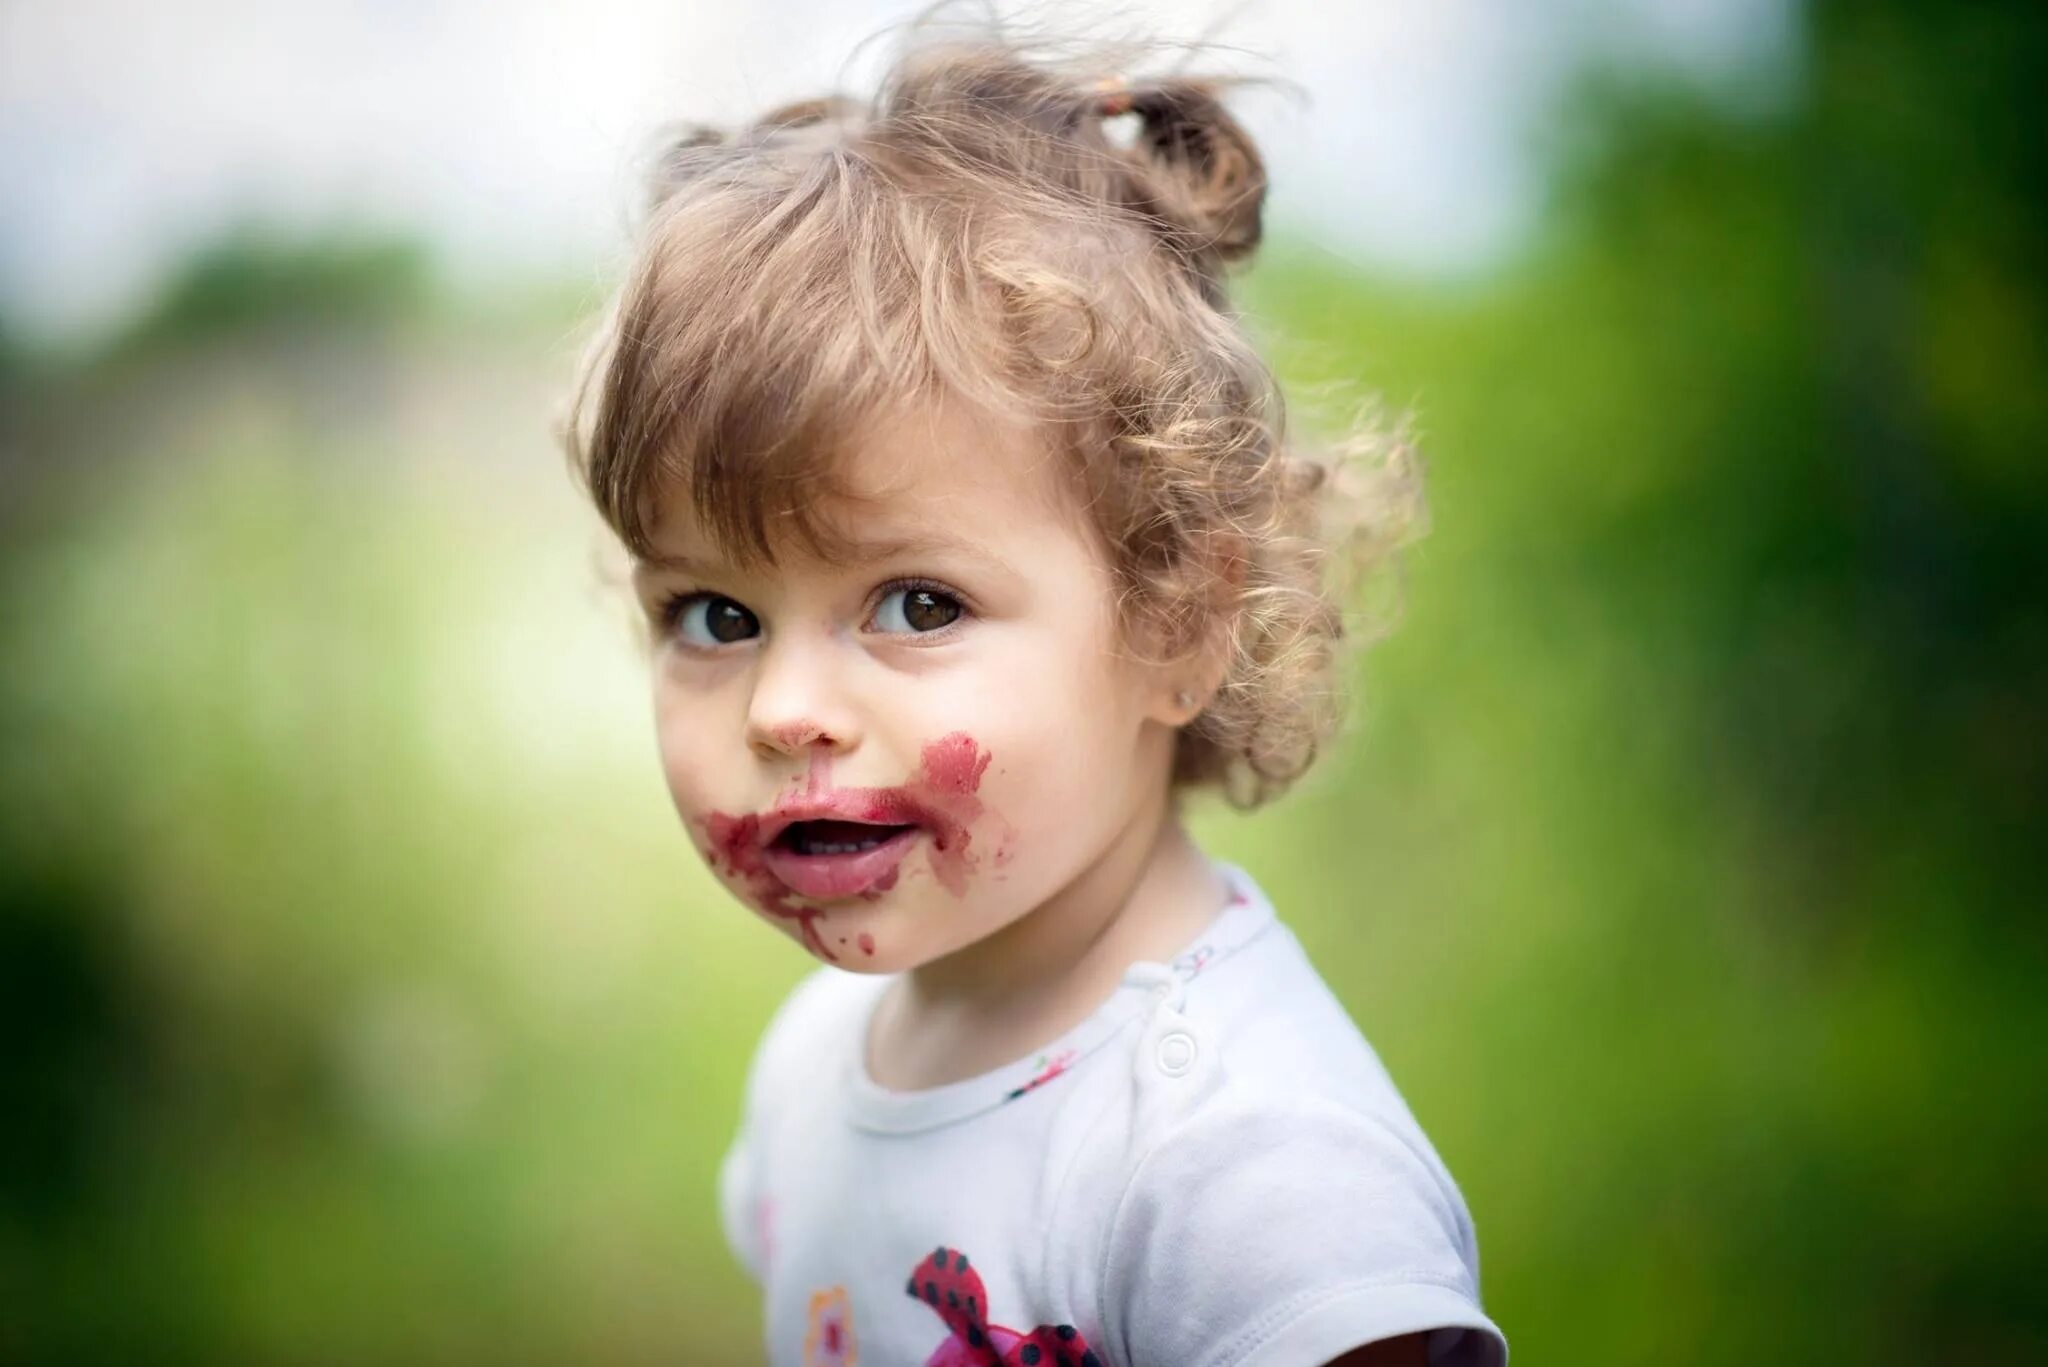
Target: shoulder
x: 1269, y: 1009
x: 821, y: 994
x: 1269, y: 1226
x: 789, y: 1060
x: 1276, y: 1203
x: 1283, y: 1041
x: 1245, y: 1148
x: 817, y: 1011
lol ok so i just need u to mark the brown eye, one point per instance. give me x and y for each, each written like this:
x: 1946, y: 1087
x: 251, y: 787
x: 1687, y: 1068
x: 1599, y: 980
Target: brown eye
x: 708, y: 619
x: 915, y: 610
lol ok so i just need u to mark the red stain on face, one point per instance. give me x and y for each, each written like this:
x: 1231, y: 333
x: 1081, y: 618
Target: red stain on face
x: 954, y: 764
x: 883, y: 884
x: 736, y: 841
x: 796, y: 735
x: 946, y: 783
x: 942, y: 794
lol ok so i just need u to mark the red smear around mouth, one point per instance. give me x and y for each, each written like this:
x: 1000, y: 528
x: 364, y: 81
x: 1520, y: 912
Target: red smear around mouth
x: 736, y: 842
x: 867, y: 944
x: 945, y: 784
x: 954, y: 764
x: 882, y: 884
x: 943, y: 791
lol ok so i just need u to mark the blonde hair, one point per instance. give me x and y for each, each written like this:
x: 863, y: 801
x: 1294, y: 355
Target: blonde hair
x: 976, y: 228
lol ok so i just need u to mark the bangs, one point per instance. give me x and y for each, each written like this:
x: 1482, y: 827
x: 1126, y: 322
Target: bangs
x: 765, y: 329
x: 798, y: 292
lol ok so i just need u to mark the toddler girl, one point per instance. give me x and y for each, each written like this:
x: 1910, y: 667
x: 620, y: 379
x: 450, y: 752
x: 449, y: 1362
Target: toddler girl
x: 968, y: 540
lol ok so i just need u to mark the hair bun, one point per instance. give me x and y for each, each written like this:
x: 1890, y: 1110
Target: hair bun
x: 1209, y: 181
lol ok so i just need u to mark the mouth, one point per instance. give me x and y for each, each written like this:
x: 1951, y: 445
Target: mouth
x: 826, y: 859
x: 836, y: 837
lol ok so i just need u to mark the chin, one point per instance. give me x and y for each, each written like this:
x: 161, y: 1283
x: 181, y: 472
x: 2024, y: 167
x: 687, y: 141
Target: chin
x: 895, y: 949
x: 848, y: 937
x: 875, y: 965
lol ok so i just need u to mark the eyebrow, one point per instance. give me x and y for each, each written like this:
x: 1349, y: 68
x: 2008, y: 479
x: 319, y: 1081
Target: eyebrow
x: 665, y: 562
x: 861, y: 552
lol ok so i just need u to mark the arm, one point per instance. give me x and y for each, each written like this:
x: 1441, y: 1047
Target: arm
x: 1409, y: 1350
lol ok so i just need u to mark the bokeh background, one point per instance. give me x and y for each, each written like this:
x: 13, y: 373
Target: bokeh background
x: 362, y: 1000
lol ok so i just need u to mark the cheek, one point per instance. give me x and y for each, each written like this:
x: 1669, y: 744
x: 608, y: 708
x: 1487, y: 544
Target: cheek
x: 691, y: 751
x: 1034, y: 782
x: 680, y: 771
x: 1069, y: 732
x: 1048, y: 791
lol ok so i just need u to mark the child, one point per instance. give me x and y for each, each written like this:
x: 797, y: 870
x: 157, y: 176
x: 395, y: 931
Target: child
x: 962, y: 519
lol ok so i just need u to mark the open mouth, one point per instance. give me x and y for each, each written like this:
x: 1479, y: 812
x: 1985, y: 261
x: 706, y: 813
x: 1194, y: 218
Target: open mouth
x: 830, y: 859
x: 811, y: 838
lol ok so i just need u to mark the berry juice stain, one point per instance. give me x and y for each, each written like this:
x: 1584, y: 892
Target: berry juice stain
x: 943, y: 794
x: 954, y: 764
x: 945, y: 786
x: 736, y: 843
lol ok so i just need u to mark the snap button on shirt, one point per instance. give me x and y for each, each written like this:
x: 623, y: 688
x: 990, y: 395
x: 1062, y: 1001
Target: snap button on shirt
x: 1175, y: 1052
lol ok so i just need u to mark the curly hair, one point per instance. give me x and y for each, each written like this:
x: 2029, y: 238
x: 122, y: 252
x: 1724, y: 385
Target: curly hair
x: 1048, y: 238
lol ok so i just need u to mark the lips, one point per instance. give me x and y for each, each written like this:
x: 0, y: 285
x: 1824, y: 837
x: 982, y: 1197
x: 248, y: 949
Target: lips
x: 825, y: 876
x: 858, y: 806
x: 835, y: 845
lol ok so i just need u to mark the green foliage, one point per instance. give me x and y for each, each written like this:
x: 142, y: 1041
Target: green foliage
x: 254, y: 279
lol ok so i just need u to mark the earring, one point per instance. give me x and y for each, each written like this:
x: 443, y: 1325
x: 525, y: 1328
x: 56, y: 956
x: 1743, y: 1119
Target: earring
x: 1183, y: 698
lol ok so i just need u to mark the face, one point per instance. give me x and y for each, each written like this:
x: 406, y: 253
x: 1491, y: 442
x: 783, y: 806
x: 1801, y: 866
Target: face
x: 892, y: 756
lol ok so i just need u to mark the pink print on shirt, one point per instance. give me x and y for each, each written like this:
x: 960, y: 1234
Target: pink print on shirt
x: 1048, y: 1070
x: 945, y: 1282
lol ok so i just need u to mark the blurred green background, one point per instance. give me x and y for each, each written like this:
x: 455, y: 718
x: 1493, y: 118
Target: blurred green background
x: 363, y: 1002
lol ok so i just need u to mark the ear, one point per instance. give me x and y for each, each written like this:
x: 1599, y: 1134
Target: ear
x: 1183, y: 687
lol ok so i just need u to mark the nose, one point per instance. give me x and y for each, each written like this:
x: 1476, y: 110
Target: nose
x: 798, y: 704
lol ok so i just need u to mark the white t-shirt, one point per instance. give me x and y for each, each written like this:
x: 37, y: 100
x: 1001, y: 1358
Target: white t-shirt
x: 1212, y: 1170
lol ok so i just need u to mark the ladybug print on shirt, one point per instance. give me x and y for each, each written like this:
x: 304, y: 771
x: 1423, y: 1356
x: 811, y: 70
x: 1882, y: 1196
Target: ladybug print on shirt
x: 944, y: 1281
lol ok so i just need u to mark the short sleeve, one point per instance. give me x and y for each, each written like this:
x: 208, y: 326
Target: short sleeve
x: 744, y: 1186
x: 739, y: 1202
x: 1283, y: 1232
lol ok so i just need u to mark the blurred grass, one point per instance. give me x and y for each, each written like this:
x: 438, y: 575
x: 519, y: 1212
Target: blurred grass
x: 365, y: 1003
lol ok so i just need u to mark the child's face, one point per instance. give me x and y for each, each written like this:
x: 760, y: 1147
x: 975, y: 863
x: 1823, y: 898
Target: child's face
x: 895, y: 756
